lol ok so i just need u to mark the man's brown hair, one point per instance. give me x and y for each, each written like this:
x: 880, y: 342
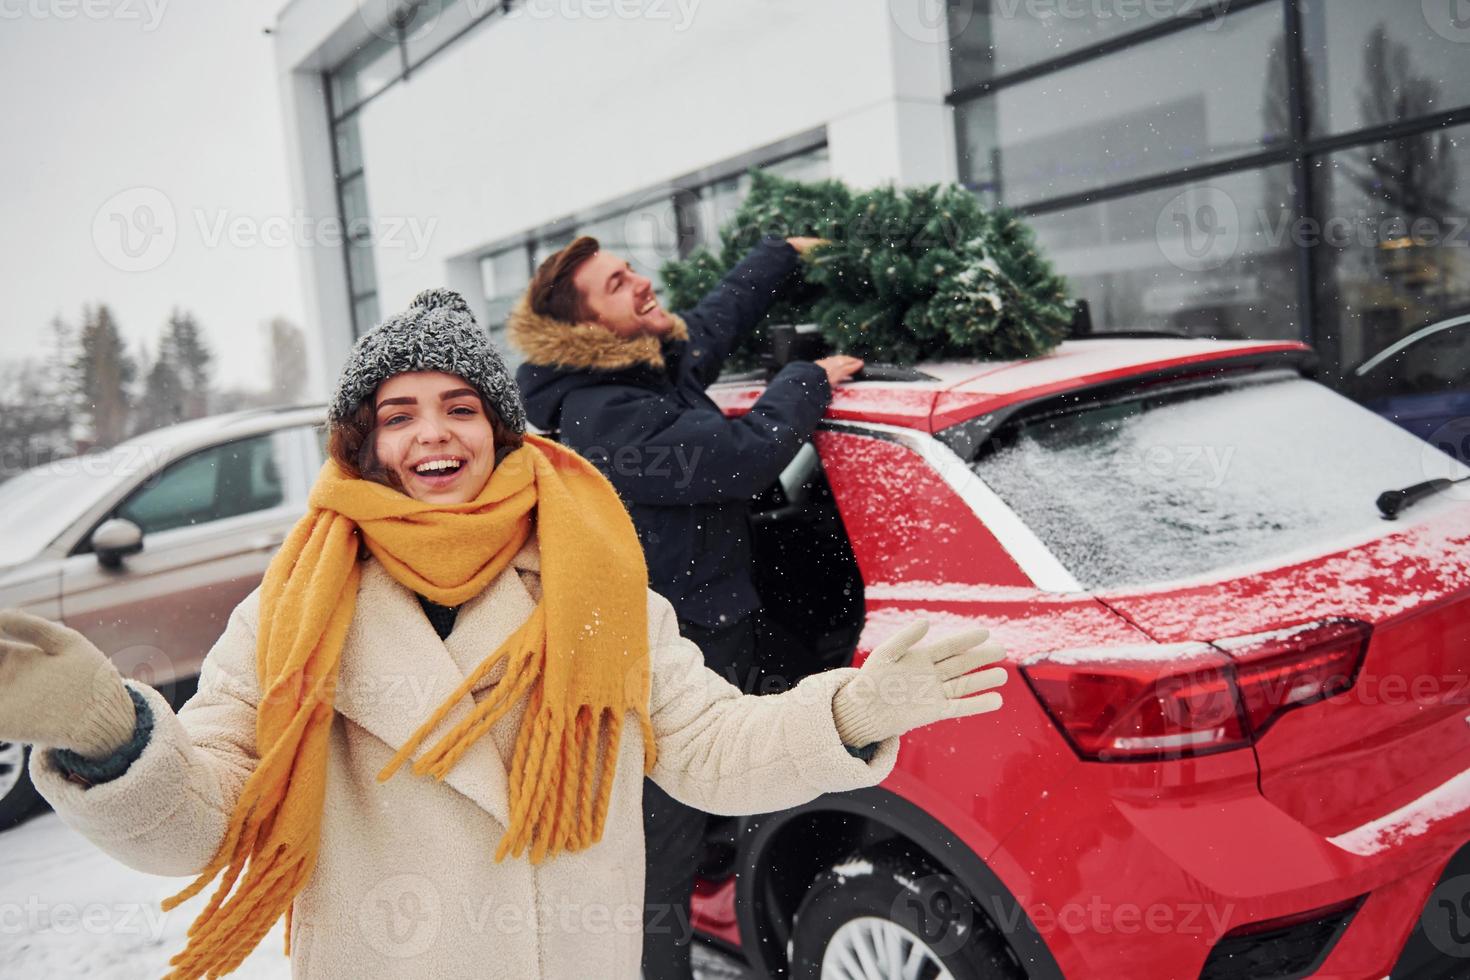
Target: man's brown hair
x: 552, y: 292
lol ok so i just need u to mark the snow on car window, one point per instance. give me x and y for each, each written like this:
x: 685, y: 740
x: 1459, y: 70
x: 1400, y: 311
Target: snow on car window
x: 1152, y: 490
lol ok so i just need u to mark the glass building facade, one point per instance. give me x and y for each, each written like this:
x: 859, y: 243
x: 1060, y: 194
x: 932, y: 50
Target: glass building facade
x: 1265, y: 168
x: 658, y: 225
x: 416, y: 31
x: 1292, y: 169
x: 649, y: 227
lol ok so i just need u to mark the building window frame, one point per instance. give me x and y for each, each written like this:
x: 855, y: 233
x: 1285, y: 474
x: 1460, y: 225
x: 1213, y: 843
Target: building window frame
x: 362, y: 297
x: 684, y: 190
x: 1301, y: 150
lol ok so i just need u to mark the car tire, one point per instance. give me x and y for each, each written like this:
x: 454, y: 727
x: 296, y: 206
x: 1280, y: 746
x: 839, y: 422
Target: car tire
x: 859, y: 912
x: 18, y: 797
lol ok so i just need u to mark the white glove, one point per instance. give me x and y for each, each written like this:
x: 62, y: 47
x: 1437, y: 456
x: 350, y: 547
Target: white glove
x: 901, y: 686
x: 58, y: 690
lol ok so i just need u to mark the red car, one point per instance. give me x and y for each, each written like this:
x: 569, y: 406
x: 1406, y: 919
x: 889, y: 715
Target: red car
x: 1235, y: 741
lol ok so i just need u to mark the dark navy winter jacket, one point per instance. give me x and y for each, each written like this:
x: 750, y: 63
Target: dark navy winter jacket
x: 685, y: 471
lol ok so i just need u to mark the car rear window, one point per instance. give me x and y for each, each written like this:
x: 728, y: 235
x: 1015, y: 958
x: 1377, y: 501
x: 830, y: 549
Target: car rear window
x: 1165, y: 486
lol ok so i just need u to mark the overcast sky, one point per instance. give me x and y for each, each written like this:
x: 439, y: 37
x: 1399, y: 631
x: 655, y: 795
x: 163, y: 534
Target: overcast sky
x: 114, y: 114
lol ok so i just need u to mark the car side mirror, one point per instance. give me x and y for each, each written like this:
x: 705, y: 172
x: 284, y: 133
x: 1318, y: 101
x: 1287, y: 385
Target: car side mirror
x: 114, y: 540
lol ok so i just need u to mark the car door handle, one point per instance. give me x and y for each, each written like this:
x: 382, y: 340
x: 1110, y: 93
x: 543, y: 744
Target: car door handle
x: 267, y: 542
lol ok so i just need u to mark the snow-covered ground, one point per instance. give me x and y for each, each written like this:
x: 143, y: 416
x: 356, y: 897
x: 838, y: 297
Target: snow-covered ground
x: 68, y: 910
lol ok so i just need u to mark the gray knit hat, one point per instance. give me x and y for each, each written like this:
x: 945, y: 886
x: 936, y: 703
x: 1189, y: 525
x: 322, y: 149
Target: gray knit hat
x: 436, y: 333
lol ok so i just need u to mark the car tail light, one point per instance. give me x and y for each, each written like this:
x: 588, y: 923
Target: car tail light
x: 1124, y: 710
x: 1204, y: 698
x: 1276, y: 672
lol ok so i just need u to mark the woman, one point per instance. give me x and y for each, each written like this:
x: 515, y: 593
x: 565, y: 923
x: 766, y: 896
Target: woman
x: 471, y: 601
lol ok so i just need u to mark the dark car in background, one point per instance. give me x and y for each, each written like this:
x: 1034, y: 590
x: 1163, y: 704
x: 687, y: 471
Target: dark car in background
x: 1422, y: 382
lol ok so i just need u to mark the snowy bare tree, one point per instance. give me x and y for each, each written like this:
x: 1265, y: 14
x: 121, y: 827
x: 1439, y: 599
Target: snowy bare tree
x: 184, y: 347
x: 1410, y: 177
x: 104, y: 372
x: 37, y: 405
x: 162, y: 401
x: 288, y: 361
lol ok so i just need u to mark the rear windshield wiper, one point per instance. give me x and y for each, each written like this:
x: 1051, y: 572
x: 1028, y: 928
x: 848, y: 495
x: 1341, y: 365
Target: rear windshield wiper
x: 1392, y: 502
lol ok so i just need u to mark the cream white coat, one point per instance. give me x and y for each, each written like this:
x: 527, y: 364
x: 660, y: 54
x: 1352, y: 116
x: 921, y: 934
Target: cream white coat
x: 406, y: 884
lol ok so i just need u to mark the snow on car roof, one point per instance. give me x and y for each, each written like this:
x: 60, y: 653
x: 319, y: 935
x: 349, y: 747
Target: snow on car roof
x: 963, y: 389
x: 195, y: 433
x: 1080, y: 360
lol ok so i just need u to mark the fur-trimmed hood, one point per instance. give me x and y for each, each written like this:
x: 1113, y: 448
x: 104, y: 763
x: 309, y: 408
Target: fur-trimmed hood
x: 584, y: 346
x: 562, y: 358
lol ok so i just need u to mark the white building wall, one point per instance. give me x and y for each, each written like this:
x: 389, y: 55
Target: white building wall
x: 552, y: 111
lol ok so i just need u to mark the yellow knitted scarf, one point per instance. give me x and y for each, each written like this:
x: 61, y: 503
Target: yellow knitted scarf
x: 581, y: 658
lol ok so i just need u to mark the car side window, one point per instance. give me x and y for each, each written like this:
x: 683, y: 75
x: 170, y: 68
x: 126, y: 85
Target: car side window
x: 223, y: 481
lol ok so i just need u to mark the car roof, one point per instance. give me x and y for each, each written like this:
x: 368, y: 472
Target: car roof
x: 955, y: 390
x: 184, y: 437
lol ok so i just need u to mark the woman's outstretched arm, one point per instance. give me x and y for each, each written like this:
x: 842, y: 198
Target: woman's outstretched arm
x: 724, y: 752
x: 166, y: 812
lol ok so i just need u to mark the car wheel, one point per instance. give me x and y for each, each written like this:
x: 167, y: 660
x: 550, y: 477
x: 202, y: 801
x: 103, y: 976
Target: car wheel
x: 18, y: 798
x: 871, y: 919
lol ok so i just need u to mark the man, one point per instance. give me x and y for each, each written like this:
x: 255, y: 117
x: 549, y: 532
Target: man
x: 623, y: 382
